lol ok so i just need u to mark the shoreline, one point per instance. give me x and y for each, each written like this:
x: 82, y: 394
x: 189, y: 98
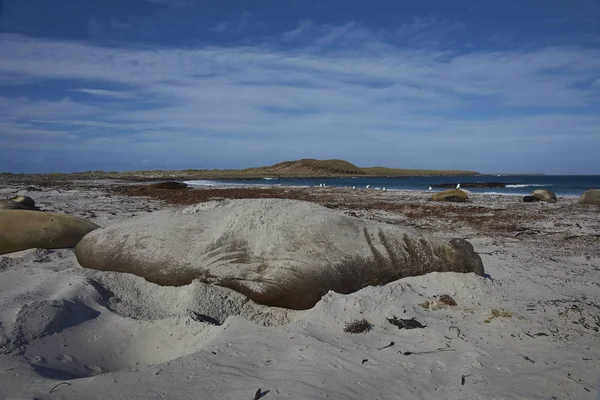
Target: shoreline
x: 435, y: 190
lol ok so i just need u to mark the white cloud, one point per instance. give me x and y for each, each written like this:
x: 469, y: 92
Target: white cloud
x: 245, y: 21
x: 258, y: 104
x: 429, y: 26
x: 105, y: 93
x: 304, y: 27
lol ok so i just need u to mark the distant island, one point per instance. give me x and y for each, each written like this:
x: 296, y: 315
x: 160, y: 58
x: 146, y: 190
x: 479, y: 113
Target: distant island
x: 297, y: 169
x: 516, y: 174
x: 304, y: 168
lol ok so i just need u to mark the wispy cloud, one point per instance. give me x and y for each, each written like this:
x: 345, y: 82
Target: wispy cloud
x: 418, y: 108
x: 244, y: 22
x: 429, y: 26
x: 105, y: 93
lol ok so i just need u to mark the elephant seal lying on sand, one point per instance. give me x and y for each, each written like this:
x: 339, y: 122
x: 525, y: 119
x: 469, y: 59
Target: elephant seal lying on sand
x: 8, y: 204
x: 18, y: 203
x: 24, y: 229
x: 544, y: 195
x: 590, y: 197
x: 284, y: 253
x: 455, y: 195
x: 25, y: 200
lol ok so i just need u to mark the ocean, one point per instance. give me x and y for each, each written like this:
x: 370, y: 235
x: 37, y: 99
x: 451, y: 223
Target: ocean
x: 573, y: 185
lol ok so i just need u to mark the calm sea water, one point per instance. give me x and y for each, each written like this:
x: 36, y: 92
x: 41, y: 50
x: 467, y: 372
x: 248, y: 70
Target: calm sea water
x: 519, y: 185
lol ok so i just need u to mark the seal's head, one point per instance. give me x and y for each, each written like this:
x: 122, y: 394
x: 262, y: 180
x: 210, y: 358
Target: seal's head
x: 466, y: 256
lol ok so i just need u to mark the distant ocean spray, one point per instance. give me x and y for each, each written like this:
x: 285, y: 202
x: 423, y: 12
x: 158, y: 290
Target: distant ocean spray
x: 515, y: 184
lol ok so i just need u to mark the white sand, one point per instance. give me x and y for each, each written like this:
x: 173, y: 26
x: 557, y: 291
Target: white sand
x: 116, y: 336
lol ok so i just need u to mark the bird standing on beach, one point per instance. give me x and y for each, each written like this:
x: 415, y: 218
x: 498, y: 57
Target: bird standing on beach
x: 458, y: 186
x: 368, y: 186
x: 429, y: 187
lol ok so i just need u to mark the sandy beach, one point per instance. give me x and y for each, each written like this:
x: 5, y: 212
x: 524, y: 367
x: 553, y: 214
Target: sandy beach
x: 529, y: 329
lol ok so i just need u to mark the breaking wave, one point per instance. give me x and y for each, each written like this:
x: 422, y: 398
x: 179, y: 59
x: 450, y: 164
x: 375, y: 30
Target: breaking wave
x: 525, y: 185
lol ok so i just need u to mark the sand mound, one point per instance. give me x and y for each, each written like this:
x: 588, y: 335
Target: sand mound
x: 134, y: 297
x: 76, y: 323
x: 43, y: 318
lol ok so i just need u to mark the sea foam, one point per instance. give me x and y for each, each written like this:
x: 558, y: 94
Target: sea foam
x: 525, y: 185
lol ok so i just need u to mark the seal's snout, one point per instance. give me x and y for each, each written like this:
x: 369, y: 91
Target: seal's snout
x: 467, y: 256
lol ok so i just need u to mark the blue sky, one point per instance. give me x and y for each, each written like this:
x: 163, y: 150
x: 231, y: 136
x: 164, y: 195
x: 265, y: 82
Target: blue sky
x: 492, y: 86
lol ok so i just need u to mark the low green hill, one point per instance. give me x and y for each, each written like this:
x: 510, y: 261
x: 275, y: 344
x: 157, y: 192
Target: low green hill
x: 384, y: 171
x: 309, y: 166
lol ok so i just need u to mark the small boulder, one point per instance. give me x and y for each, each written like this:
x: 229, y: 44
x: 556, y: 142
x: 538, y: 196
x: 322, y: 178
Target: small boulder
x: 590, y: 197
x: 544, y: 195
x: 455, y: 195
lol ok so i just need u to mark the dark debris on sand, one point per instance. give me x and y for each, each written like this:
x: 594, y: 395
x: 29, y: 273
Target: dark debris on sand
x: 358, y: 326
x: 499, y: 221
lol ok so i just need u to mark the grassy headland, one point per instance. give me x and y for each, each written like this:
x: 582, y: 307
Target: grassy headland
x: 305, y: 168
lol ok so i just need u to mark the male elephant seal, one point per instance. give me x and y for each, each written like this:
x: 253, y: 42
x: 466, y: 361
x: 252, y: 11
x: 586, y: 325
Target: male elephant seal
x: 590, y: 197
x: 8, y: 204
x: 283, y: 253
x: 25, y: 229
x: 544, y: 195
x: 455, y: 195
x: 18, y: 203
x: 25, y: 200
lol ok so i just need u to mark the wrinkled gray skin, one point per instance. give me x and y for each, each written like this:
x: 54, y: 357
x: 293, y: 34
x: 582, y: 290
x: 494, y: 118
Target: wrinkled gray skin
x: 590, y: 197
x: 283, y: 253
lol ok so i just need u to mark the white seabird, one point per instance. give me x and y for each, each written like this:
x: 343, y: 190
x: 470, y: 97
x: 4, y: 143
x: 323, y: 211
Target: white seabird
x: 368, y: 186
x: 458, y: 186
x: 429, y: 187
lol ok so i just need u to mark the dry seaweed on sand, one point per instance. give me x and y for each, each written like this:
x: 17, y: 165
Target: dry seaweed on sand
x: 446, y: 299
x: 405, y: 323
x: 358, y: 326
x: 497, y: 313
